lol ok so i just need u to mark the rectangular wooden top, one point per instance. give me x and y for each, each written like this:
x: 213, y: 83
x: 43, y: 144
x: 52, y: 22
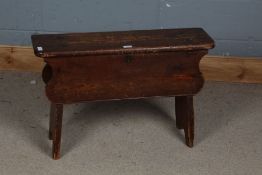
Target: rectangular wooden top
x: 124, y: 42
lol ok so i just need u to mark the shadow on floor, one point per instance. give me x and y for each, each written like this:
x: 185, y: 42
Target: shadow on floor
x: 80, y: 125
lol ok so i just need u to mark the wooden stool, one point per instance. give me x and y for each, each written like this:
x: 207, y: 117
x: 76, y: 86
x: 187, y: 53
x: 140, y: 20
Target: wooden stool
x: 122, y: 65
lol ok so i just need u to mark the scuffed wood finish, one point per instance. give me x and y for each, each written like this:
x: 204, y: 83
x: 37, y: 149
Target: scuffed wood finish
x: 56, y: 128
x: 185, y: 117
x: 95, y: 66
x: 111, y: 43
x: 51, y: 120
x: 112, y: 77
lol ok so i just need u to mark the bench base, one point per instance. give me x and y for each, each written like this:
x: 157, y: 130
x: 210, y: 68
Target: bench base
x: 184, y: 120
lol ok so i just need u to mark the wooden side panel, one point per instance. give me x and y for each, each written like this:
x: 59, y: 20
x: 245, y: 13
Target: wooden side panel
x: 124, y: 76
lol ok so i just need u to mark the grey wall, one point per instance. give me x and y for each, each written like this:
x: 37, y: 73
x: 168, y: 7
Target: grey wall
x: 236, y: 25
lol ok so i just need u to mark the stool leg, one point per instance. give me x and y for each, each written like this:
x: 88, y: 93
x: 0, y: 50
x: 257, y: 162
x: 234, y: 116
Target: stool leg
x: 56, y: 128
x: 51, y: 120
x: 185, y: 117
x: 179, y: 114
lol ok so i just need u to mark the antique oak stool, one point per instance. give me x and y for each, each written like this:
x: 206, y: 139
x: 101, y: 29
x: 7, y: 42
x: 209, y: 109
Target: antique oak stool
x: 122, y: 65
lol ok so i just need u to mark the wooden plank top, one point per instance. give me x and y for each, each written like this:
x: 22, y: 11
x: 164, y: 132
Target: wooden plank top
x: 123, y: 42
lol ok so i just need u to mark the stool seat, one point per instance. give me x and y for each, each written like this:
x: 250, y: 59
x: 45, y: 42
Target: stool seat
x: 99, y: 43
x: 84, y: 67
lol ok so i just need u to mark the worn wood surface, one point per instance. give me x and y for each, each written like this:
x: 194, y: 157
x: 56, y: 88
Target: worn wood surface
x: 76, y: 79
x: 56, y: 128
x: 213, y: 68
x: 142, y: 41
x: 100, y: 66
x: 94, y: 66
x: 51, y: 120
x: 185, y: 117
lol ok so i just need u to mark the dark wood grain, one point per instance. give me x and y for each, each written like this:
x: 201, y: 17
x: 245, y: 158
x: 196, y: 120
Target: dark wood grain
x: 51, y: 120
x: 87, y: 78
x: 185, y: 117
x: 111, y: 43
x: 94, y: 66
x: 57, y: 116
